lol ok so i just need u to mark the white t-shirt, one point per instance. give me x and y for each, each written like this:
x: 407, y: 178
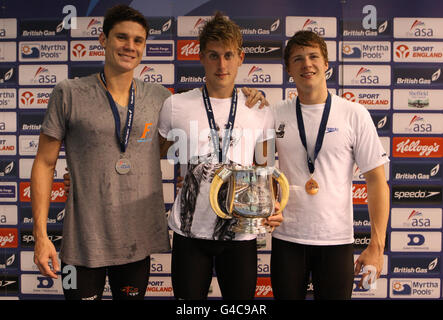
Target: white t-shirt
x: 351, y: 137
x: 184, y: 116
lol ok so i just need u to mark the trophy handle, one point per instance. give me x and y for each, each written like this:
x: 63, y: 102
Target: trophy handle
x: 284, y: 185
x: 220, y: 177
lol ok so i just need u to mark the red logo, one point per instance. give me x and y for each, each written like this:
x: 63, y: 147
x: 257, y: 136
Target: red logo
x: 417, y: 147
x: 57, y: 194
x: 188, y: 50
x: 263, y: 288
x: 349, y: 96
x: 359, y: 194
x: 79, y: 50
x: 27, y: 98
x: 130, y: 291
x: 8, y: 238
x: 402, y: 51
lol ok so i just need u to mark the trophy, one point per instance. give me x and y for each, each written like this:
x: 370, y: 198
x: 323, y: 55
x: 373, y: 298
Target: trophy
x: 250, y: 196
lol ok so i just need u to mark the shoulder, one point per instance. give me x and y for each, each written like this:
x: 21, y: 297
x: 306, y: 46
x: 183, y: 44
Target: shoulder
x: 282, y: 108
x: 153, y: 89
x: 185, y: 97
x: 345, y: 104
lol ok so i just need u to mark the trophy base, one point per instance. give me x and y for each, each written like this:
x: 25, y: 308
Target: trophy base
x: 250, y: 225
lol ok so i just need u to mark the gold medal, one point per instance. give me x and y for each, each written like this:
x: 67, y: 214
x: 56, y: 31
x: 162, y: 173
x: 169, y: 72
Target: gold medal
x: 311, y: 186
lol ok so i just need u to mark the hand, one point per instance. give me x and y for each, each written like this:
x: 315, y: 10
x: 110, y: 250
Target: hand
x: 44, y: 252
x: 370, y: 256
x: 66, y: 181
x: 254, y: 96
x: 179, y: 183
x: 276, y: 219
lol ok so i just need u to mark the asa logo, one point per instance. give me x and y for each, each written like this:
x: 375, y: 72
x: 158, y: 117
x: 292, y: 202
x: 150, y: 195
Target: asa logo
x: 257, y: 75
x: 43, y: 76
x: 417, y: 220
x: 94, y: 27
x: 418, y: 125
x: 420, y: 30
x: 312, y: 25
x: 365, y: 76
x: 148, y: 74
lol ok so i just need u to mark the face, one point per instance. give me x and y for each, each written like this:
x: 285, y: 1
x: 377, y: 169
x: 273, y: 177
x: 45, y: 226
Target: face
x: 307, y: 66
x: 124, y: 46
x: 221, y: 64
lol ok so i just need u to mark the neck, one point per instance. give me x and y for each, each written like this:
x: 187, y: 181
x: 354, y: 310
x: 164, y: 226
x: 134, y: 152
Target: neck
x: 118, y: 83
x: 313, y: 97
x: 220, y: 93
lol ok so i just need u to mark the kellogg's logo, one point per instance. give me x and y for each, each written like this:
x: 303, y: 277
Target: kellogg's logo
x: 57, y: 194
x: 359, y: 194
x: 415, y: 147
x: 8, y: 238
x: 263, y: 288
x: 188, y: 49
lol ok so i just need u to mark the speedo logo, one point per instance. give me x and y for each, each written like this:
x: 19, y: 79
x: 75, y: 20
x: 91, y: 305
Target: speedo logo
x: 417, y: 194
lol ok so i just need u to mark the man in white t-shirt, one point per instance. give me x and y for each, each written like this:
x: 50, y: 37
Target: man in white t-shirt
x: 202, y: 240
x: 319, y: 137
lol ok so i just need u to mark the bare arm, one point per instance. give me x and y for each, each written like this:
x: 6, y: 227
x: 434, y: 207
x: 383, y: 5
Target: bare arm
x: 164, y: 145
x: 378, y: 205
x: 41, y: 186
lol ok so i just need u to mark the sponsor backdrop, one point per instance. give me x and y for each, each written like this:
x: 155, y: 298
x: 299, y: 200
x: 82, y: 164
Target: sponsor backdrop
x: 386, y: 55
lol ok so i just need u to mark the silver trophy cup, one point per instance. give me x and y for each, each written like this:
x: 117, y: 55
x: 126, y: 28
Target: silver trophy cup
x: 250, y: 195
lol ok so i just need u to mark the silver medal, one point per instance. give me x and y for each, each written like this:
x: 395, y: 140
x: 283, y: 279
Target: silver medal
x: 123, y: 166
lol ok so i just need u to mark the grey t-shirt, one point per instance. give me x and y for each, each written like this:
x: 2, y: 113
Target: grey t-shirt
x: 110, y: 219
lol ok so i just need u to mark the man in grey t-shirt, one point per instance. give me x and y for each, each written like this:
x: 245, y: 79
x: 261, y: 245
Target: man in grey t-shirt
x: 115, y: 212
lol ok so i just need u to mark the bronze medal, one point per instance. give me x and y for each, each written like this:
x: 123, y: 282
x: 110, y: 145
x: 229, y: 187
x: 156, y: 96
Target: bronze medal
x: 311, y: 187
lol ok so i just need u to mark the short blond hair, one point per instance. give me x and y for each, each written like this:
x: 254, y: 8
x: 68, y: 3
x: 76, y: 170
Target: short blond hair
x: 220, y: 28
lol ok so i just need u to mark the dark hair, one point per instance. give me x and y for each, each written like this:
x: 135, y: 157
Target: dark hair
x: 305, y: 38
x: 122, y: 12
x: 220, y: 28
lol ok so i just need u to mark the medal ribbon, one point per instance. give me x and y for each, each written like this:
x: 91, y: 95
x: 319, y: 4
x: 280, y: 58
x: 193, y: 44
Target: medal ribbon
x: 122, y: 141
x: 321, y: 130
x: 228, y: 127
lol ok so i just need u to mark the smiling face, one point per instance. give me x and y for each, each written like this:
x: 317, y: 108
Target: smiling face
x: 307, y: 66
x: 124, y: 46
x: 221, y: 63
